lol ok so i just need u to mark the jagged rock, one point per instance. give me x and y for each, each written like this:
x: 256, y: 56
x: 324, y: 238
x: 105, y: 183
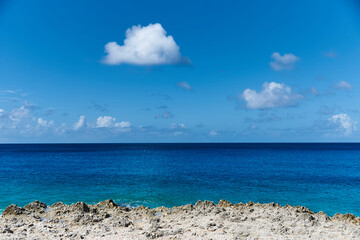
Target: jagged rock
x: 348, y: 217
x: 204, y: 220
x: 36, y: 206
x: 224, y: 203
x: 141, y: 208
x: 81, y: 207
x: 58, y: 204
x: 13, y: 210
x: 204, y: 205
x: 322, y: 217
x: 188, y: 207
x: 107, y: 204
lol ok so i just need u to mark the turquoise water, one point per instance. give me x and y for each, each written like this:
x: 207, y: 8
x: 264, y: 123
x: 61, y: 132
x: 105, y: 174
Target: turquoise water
x: 323, y: 177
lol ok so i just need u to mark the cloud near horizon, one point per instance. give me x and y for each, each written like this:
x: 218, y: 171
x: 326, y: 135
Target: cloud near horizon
x: 145, y: 45
x: 273, y: 95
x: 110, y: 122
x: 80, y: 123
x: 343, y: 123
x: 284, y: 62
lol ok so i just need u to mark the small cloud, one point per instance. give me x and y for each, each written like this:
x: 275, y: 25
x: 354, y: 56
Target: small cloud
x: 44, y: 123
x: 110, y: 122
x: 330, y: 54
x: 343, y: 85
x: 104, y: 121
x: 165, y: 115
x: 184, y: 85
x: 123, y: 124
x: 284, y: 62
x: 177, y: 126
x: 8, y: 91
x: 213, y: 133
x: 343, y: 123
x: 80, y: 123
x: 62, y: 129
x: 273, y: 95
x: 145, y: 45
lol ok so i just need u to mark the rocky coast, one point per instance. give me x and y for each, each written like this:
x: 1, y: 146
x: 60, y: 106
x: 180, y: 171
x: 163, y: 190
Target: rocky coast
x: 204, y: 220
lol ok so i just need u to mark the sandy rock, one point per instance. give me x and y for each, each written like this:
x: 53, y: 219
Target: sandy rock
x: 204, y: 205
x: 107, y: 204
x: 204, y: 220
x: 13, y: 210
x: 80, y: 206
x: 36, y: 206
x: 224, y: 203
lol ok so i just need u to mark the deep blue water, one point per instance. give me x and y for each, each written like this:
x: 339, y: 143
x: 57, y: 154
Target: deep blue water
x: 323, y: 177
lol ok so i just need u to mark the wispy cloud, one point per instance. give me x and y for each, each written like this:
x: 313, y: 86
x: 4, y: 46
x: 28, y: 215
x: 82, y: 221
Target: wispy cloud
x: 343, y: 85
x: 145, y: 45
x: 164, y: 115
x: 184, y: 85
x: 283, y: 62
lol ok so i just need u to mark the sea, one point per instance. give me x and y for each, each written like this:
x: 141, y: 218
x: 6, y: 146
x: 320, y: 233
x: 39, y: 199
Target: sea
x: 321, y: 176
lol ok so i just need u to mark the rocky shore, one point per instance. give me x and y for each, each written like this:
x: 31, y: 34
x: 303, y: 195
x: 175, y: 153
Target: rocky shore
x: 204, y: 220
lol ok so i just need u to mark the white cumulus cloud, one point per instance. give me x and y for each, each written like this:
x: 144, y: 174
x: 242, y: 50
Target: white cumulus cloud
x: 273, y: 95
x: 283, y: 62
x: 79, y: 124
x: 44, y: 123
x: 105, y: 121
x: 343, y: 123
x: 145, y: 45
x: 123, y: 124
x: 110, y: 122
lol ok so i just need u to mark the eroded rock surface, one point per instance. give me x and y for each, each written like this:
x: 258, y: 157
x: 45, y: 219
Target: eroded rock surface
x: 204, y: 220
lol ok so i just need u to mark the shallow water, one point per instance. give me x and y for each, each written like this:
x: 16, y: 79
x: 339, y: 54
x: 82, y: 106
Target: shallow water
x: 323, y: 177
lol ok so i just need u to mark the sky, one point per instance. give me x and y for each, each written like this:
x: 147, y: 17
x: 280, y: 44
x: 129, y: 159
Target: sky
x: 189, y: 71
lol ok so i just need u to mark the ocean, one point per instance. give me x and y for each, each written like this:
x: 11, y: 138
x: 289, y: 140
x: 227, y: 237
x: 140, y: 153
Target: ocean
x: 321, y: 176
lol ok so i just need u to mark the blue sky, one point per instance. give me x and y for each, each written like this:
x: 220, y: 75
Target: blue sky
x: 192, y: 71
